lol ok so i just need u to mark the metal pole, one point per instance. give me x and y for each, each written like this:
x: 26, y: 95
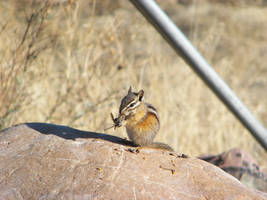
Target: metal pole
x: 183, y: 47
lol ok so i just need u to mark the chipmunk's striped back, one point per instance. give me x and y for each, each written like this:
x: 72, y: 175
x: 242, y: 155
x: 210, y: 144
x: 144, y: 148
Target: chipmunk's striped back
x: 153, y: 110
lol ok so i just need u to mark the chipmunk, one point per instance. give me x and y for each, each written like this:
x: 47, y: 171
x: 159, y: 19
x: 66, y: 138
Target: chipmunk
x: 140, y: 119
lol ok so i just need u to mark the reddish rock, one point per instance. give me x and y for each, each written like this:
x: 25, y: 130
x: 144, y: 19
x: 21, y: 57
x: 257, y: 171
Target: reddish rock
x: 241, y: 165
x: 44, y: 161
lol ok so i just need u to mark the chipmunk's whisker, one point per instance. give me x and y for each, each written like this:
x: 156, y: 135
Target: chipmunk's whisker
x: 109, y: 127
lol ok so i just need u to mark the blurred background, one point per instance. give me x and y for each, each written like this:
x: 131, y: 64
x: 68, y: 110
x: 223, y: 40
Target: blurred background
x: 71, y: 62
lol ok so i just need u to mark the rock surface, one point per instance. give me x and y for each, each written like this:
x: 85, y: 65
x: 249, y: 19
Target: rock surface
x: 45, y: 161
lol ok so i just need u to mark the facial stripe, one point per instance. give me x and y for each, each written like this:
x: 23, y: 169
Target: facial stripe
x: 136, y: 103
x: 130, y: 97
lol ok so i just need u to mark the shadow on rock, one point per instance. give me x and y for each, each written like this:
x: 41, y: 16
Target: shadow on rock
x: 71, y: 133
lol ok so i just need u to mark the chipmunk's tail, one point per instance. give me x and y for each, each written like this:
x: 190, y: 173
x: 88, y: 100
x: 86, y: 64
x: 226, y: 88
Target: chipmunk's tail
x: 159, y: 145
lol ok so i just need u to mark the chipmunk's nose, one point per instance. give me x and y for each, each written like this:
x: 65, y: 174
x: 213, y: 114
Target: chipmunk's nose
x: 117, y: 121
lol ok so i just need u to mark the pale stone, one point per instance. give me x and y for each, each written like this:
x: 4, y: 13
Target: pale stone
x: 45, y: 161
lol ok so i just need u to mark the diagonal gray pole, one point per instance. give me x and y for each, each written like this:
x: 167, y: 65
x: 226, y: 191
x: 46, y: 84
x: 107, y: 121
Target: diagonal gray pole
x: 183, y: 47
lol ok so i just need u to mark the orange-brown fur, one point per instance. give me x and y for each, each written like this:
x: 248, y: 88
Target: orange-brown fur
x: 144, y: 131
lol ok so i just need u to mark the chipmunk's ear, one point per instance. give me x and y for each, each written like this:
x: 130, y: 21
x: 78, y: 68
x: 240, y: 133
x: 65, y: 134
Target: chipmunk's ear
x: 130, y: 90
x: 140, y: 95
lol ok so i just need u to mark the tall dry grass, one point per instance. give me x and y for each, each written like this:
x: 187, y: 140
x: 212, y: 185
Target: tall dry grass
x: 90, y: 52
x: 23, y: 38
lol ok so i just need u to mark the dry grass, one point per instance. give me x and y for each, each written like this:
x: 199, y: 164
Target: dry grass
x: 90, y: 53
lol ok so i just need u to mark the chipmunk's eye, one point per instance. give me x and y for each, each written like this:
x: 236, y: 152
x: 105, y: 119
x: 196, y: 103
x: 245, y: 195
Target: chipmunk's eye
x: 132, y: 105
